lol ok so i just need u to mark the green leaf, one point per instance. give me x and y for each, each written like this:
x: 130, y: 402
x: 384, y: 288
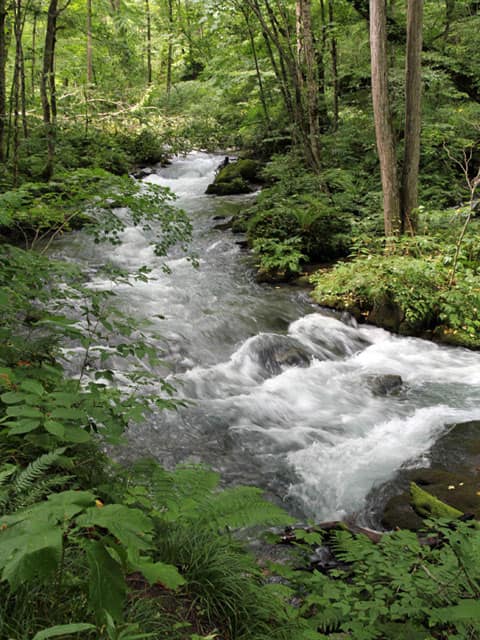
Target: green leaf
x: 166, y: 574
x: 63, y: 630
x: 130, y: 526
x: 12, y: 397
x: 107, y: 588
x: 464, y: 611
x: 22, y: 426
x: 76, y: 435
x: 32, y: 386
x: 55, y: 428
x: 68, y: 414
x: 24, y: 412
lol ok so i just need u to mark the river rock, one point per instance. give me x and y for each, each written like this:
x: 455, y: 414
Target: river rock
x: 274, y: 353
x: 453, y: 477
x: 225, y: 224
x: 385, y: 385
x: 235, y: 178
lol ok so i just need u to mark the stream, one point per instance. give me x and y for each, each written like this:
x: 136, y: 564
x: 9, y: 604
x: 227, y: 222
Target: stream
x: 281, y: 394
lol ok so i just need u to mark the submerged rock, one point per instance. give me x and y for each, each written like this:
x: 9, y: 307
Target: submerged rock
x: 385, y: 385
x: 275, y: 353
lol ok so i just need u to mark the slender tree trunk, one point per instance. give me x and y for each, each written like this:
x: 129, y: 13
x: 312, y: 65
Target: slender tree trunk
x: 449, y: 12
x: 413, y: 114
x: 3, y: 81
x: 383, y: 119
x: 261, y: 90
x: 334, y: 54
x: 170, y: 48
x: 149, y: 42
x: 89, y: 44
x: 34, y: 52
x: 47, y: 86
x: 308, y: 78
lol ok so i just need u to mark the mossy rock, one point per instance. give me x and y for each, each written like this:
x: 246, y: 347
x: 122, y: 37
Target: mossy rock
x: 235, y: 178
x: 456, y: 490
x: 249, y: 170
x: 232, y: 188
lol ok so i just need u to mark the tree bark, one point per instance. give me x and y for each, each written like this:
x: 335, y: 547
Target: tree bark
x: 149, y: 42
x: 334, y: 54
x: 383, y: 118
x: 47, y: 86
x: 89, y: 44
x: 413, y: 117
x: 308, y: 80
x: 3, y: 81
x: 170, y: 48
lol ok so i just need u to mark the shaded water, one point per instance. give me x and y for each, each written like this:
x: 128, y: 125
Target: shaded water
x: 281, y: 393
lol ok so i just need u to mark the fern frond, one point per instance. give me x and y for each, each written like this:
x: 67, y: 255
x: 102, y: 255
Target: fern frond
x: 6, y: 472
x: 35, y: 470
x: 239, y: 507
x: 40, y: 491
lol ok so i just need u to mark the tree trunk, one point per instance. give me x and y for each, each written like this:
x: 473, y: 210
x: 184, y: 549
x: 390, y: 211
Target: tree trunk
x: 261, y: 90
x: 413, y: 117
x: 47, y: 86
x: 308, y: 78
x: 383, y: 118
x: 334, y: 54
x: 89, y: 44
x: 170, y: 48
x: 149, y: 42
x: 34, y: 52
x: 3, y: 81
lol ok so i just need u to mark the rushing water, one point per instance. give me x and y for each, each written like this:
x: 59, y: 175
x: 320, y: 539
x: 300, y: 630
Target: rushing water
x: 282, y: 394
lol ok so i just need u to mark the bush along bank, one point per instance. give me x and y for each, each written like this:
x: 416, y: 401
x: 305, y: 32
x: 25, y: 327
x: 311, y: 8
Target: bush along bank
x: 427, y: 286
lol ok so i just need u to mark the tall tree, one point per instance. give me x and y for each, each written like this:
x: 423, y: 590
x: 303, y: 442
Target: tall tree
x: 89, y: 44
x: 149, y: 41
x: 3, y: 80
x: 413, y: 111
x: 383, y: 117
x: 400, y: 195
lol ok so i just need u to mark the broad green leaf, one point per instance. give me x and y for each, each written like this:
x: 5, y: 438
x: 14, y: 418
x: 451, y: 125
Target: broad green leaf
x: 63, y: 630
x: 166, y: 574
x: 65, y: 413
x: 22, y: 426
x: 107, y: 588
x: 29, y: 551
x: 12, y: 397
x: 130, y: 526
x: 32, y: 386
x: 55, y: 428
x: 76, y: 435
x: 24, y: 412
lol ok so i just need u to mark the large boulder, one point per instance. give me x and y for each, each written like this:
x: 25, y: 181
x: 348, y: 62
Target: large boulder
x: 235, y: 178
x: 453, y: 478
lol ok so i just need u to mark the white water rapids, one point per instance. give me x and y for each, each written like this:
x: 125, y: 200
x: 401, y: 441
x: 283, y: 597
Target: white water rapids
x: 281, y: 392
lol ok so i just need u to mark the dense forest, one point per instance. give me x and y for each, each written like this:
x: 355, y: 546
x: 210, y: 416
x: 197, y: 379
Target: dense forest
x: 346, y: 140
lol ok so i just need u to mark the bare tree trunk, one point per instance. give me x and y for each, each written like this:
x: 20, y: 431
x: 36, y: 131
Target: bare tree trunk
x: 334, y: 54
x: 47, y: 86
x: 89, y: 44
x: 3, y: 81
x: 309, y: 76
x: 413, y: 113
x: 149, y: 42
x: 383, y: 119
x: 34, y: 52
x: 170, y: 48
x: 261, y: 90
